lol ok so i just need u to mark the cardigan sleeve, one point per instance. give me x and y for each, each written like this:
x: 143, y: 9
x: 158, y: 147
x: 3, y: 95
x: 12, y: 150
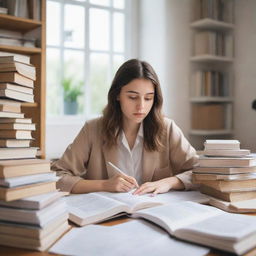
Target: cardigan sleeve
x: 72, y: 164
x: 183, y: 156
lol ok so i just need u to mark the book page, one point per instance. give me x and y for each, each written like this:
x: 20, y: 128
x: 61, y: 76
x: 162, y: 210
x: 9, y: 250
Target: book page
x: 134, y: 237
x: 93, y: 207
x: 177, y: 215
x: 227, y: 226
x: 134, y: 202
x: 178, y: 196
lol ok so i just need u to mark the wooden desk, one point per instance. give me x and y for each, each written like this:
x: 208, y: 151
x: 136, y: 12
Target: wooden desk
x: 10, y: 251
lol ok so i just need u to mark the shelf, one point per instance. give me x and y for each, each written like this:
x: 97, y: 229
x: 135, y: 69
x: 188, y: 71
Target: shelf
x: 211, y: 99
x: 32, y: 105
x: 211, y: 24
x: 20, y: 49
x: 211, y: 132
x: 10, y: 22
x: 211, y: 58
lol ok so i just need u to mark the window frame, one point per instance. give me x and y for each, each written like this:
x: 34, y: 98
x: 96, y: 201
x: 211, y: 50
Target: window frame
x: 130, y: 50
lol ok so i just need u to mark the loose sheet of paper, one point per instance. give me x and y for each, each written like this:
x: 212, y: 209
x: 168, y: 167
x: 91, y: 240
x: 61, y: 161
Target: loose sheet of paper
x: 135, y: 237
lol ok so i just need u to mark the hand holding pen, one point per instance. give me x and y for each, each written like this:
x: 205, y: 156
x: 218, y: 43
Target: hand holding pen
x: 121, y: 182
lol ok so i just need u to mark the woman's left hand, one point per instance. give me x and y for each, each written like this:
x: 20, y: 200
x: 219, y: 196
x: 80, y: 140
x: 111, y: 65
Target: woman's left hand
x: 160, y: 186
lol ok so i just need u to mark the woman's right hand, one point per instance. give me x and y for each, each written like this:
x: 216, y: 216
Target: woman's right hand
x: 120, y: 183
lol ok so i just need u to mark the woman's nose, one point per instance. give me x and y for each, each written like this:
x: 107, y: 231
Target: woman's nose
x: 140, y: 104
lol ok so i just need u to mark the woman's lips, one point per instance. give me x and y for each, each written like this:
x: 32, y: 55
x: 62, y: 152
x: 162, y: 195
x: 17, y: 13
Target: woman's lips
x: 139, y: 114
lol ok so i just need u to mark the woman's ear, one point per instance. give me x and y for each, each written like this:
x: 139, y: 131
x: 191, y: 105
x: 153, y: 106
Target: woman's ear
x: 118, y: 98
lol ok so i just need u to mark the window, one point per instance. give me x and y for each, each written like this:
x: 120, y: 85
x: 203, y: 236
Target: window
x: 86, y: 43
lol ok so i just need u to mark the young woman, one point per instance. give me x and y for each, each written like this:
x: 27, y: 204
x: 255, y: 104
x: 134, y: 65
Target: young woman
x: 133, y: 136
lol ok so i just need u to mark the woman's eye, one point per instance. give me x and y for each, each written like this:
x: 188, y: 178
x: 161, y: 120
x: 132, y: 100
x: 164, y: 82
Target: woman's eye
x: 132, y: 97
x: 148, y: 99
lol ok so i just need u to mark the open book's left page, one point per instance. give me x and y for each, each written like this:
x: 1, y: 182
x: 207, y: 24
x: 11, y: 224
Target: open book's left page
x: 92, y: 208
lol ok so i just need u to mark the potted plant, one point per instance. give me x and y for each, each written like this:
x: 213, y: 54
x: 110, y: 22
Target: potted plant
x: 71, y: 90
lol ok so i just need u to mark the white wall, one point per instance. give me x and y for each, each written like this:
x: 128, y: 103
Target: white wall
x: 165, y: 44
x: 59, y: 136
x: 245, y: 73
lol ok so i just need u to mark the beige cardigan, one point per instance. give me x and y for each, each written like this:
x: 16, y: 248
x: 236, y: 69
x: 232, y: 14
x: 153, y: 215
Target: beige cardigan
x: 87, y: 157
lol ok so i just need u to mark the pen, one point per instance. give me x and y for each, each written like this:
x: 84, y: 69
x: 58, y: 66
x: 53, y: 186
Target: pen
x: 120, y: 172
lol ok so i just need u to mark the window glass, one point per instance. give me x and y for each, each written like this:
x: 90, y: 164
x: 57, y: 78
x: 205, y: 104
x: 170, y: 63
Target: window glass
x: 118, y: 60
x: 74, y: 72
x: 99, y: 82
x: 119, y: 4
x: 90, y: 62
x: 99, y: 29
x: 118, y: 29
x: 100, y: 2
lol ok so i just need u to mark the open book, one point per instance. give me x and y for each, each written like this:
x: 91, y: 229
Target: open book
x: 204, y: 225
x: 95, y: 207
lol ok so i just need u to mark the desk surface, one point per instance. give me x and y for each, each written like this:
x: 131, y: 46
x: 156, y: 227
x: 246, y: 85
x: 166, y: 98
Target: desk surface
x: 10, y: 251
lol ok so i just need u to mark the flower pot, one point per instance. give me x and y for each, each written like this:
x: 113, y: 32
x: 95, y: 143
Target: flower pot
x: 70, y: 107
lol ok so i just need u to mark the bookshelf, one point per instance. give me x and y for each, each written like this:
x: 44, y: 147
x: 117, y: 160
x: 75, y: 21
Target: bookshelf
x: 36, y: 110
x: 211, y: 70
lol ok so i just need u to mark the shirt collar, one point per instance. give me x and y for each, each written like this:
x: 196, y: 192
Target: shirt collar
x: 141, y: 131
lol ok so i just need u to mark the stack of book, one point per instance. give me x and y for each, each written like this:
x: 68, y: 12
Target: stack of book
x: 17, y: 78
x: 32, y: 214
x: 227, y: 174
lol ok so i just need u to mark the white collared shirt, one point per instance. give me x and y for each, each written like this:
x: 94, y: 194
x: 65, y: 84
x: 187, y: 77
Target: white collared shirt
x: 130, y: 160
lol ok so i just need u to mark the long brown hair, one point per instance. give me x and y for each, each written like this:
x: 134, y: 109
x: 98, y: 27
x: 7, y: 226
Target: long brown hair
x: 153, y: 124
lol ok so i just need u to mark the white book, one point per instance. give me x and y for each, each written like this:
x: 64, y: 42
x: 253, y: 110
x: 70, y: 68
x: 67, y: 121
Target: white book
x: 14, y: 143
x: 16, y: 120
x: 11, y: 115
x: 244, y: 206
x: 136, y: 238
x: 222, y: 144
x: 16, y: 95
x: 95, y: 207
x: 36, y: 217
x: 228, y: 177
x: 17, y: 153
x: 248, y: 161
x: 224, y: 170
x: 17, y: 88
x: 227, y: 152
x: 34, y: 202
x: 35, y: 244
x: 18, y: 126
x: 8, y: 57
x: 28, y: 179
x: 204, y: 225
x: 32, y: 231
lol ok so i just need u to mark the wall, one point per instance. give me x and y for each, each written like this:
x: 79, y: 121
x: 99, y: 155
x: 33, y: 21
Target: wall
x: 59, y: 136
x: 245, y: 73
x: 165, y: 43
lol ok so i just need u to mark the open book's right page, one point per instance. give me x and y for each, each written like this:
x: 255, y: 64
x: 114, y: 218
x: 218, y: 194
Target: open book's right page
x: 177, y: 215
x: 228, y: 231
